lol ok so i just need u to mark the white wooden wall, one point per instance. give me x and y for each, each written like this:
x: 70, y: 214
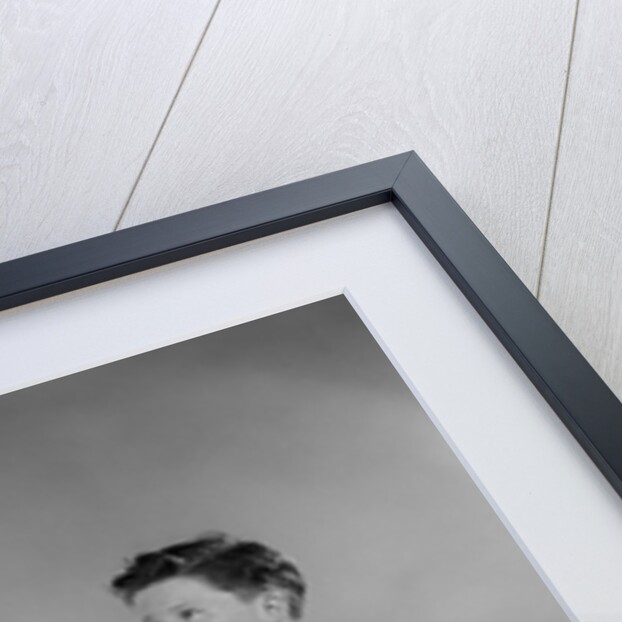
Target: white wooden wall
x: 115, y: 113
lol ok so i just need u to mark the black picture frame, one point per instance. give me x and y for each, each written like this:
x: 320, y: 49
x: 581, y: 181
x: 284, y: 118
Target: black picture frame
x: 569, y: 384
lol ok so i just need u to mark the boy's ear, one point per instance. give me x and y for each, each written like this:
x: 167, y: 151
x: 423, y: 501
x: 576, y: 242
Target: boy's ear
x: 273, y: 606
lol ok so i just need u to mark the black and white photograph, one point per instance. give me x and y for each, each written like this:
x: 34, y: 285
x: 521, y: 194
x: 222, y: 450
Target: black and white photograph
x: 279, y: 470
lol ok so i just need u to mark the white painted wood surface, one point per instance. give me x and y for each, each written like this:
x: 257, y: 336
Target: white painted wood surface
x: 543, y: 486
x: 84, y: 87
x: 582, y: 274
x: 282, y: 91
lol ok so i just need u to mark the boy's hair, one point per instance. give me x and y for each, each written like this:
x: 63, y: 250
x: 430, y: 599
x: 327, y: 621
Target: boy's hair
x: 243, y: 567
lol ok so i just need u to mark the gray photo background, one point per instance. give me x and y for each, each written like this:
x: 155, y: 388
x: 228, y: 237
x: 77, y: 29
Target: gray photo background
x: 294, y: 429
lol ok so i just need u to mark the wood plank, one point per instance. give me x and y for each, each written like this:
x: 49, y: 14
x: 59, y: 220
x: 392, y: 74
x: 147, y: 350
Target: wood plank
x: 84, y: 87
x: 280, y: 92
x: 582, y: 275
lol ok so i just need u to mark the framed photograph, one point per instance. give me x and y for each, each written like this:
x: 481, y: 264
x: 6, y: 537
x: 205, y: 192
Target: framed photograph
x: 329, y: 400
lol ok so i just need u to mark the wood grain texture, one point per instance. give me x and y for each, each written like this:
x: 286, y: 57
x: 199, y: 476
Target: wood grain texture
x: 84, y: 87
x: 582, y: 275
x: 283, y: 91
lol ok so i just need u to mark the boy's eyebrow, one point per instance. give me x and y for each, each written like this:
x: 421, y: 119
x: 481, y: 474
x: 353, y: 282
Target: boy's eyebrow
x: 172, y: 608
x: 180, y: 606
x: 177, y: 606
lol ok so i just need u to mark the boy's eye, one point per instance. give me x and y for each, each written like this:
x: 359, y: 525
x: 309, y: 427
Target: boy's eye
x: 191, y: 614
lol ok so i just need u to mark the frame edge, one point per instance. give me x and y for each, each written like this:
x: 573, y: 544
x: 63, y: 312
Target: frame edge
x: 569, y: 384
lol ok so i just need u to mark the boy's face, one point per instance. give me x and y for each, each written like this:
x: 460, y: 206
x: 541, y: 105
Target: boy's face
x: 186, y: 599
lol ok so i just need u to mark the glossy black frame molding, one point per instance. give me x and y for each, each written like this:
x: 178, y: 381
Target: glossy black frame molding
x: 578, y: 395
